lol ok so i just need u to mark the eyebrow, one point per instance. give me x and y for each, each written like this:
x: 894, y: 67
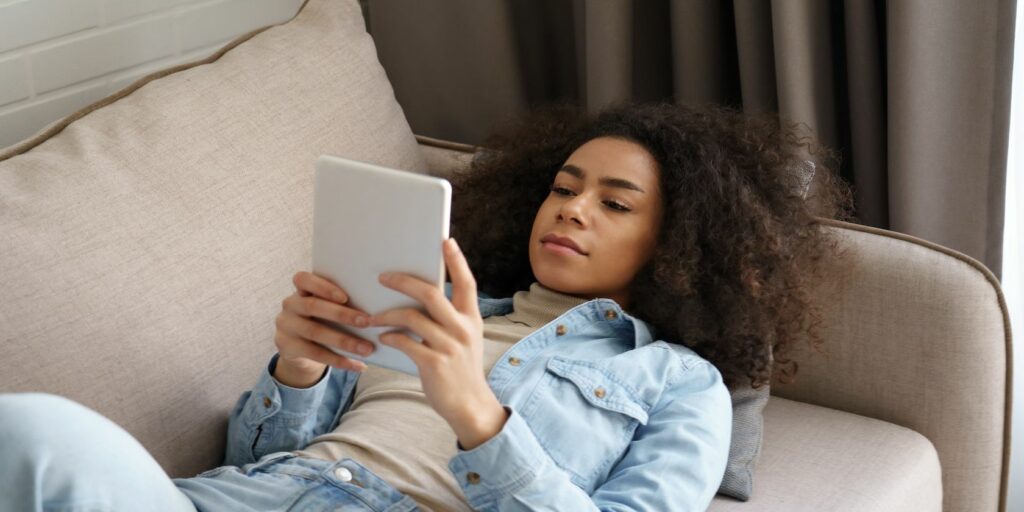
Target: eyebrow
x: 611, y: 182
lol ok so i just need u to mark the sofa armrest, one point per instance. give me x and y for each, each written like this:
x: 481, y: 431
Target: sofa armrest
x: 919, y: 336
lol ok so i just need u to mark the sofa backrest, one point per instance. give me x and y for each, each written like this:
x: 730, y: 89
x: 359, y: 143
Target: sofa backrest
x: 149, y: 240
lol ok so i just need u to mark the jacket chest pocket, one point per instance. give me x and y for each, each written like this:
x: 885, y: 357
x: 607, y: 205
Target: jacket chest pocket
x: 584, y: 416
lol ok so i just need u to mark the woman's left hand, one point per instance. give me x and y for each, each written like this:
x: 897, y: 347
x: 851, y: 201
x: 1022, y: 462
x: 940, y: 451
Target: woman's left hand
x: 450, y: 358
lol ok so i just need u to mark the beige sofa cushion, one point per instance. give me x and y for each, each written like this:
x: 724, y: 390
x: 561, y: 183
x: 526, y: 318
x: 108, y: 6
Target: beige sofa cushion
x: 148, y: 245
x: 816, y: 458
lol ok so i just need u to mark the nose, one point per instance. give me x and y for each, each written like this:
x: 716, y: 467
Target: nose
x: 572, y: 208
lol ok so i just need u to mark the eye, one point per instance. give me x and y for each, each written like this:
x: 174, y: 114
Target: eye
x: 619, y: 207
x: 616, y: 206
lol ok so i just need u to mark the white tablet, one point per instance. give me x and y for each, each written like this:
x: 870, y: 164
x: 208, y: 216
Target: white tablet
x: 369, y: 219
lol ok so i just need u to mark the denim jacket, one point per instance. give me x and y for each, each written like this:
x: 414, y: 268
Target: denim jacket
x: 601, y: 416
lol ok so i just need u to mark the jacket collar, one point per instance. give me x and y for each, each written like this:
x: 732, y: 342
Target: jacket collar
x: 643, y: 332
x: 595, y: 309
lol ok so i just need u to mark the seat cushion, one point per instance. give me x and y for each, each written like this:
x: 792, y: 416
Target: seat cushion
x: 148, y: 244
x: 815, y: 458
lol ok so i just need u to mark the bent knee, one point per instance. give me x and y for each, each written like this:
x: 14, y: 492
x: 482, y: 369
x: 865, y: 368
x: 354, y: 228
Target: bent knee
x: 32, y: 417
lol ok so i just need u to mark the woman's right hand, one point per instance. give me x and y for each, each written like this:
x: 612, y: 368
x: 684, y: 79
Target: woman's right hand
x: 299, y: 335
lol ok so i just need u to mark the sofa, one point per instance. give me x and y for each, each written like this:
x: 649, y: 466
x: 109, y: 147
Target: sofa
x: 150, y: 237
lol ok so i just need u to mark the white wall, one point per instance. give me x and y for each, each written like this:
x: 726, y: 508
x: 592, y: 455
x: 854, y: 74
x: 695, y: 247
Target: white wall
x: 57, y: 56
x: 1013, y: 263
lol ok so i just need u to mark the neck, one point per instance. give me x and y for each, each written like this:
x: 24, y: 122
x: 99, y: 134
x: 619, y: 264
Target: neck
x: 621, y: 297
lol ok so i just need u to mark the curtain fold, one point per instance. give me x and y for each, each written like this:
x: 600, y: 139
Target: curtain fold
x: 949, y: 71
x: 703, y: 46
x: 865, y: 75
x: 756, y: 56
x: 607, y: 63
x: 913, y: 94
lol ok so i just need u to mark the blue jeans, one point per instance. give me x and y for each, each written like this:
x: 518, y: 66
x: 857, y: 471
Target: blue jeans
x: 57, y: 454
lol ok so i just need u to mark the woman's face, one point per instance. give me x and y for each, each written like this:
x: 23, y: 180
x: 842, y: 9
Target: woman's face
x: 606, y: 198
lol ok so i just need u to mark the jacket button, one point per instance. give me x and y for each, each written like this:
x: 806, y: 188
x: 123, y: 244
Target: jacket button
x: 514, y: 361
x: 610, y: 314
x: 266, y: 402
x: 560, y: 329
x: 599, y: 391
x: 343, y: 474
x: 472, y: 477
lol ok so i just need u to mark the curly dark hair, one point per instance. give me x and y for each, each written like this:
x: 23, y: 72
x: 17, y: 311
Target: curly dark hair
x: 739, y: 243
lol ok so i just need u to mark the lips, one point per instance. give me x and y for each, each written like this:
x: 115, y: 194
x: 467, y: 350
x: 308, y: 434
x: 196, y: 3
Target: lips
x: 563, y: 240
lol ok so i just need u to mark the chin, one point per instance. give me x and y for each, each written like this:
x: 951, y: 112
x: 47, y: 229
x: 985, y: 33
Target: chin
x: 571, y: 278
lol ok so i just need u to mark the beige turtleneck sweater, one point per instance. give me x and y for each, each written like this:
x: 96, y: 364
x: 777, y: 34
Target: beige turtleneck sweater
x: 413, y: 454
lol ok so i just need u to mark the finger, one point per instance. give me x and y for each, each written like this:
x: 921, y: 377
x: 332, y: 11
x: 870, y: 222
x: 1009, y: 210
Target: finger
x: 313, y: 331
x: 320, y: 286
x: 410, y: 347
x: 434, y: 336
x: 464, y: 296
x: 295, y: 347
x: 319, y: 308
x: 431, y: 296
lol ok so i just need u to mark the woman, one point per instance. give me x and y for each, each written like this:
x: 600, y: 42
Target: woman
x: 648, y: 259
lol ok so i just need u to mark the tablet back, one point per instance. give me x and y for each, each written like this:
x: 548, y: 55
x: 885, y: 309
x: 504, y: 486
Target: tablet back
x: 369, y: 219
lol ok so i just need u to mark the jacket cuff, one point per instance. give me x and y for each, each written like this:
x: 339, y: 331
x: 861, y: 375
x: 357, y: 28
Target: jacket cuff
x: 273, y: 397
x: 501, y: 465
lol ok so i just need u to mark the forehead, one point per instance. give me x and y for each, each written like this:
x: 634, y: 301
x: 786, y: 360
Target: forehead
x: 616, y: 158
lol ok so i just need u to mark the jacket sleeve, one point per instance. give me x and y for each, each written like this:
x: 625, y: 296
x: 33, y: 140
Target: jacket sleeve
x: 675, y: 462
x: 273, y: 417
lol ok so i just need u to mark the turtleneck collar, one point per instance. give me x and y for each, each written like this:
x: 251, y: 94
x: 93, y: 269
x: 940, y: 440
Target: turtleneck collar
x: 539, y: 305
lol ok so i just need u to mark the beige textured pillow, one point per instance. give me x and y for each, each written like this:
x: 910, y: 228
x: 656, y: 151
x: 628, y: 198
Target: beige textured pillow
x: 147, y: 246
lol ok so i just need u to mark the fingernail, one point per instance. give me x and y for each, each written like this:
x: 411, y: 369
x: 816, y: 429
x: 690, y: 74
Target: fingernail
x: 340, y: 297
x: 362, y: 321
x: 385, y: 277
x: 365, y: 349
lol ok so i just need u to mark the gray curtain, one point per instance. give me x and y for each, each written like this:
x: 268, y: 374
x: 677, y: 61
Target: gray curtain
x: 914, y: 94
